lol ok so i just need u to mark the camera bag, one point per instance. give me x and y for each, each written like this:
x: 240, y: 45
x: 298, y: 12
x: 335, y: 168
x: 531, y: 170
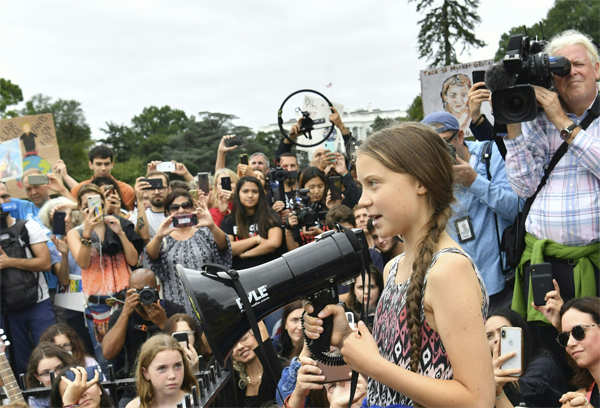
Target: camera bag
x: 513, y: 237
x: 19, y: 288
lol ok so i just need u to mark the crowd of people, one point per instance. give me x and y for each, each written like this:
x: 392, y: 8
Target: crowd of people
x: 89, y: 268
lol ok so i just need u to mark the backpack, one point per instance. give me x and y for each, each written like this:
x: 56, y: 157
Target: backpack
x: 19, y: 288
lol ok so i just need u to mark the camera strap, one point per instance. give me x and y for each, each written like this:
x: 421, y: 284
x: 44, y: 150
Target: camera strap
x: 251, y: 316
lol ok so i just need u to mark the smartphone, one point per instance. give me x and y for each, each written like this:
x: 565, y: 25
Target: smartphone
x: 185, y: 220
x: 58, y: 223
x: 37, y: 179
x: 203, y: 182
x: 95, y: 204
x: 166, y: 167
x: 335, y: 186
x: 155, y: 183
x: 181, y: 337
x: 541, y: 281
x: 479, y: 76
x: 226, y: 183
x: 511, y: 340
x: 244, y: 159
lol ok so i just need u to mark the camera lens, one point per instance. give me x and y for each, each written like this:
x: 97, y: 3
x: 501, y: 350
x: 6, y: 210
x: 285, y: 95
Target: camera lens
x: 503, y: 333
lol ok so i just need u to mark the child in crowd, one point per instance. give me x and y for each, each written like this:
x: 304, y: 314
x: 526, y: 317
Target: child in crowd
x: 434, y: 301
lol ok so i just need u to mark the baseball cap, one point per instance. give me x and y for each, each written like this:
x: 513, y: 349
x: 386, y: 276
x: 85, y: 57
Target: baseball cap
x: 443, y: 120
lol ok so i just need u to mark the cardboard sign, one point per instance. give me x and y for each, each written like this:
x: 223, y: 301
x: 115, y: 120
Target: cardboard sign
x: 447, y: 89
x: 28, y: 142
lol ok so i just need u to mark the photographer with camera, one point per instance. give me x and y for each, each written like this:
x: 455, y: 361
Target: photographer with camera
x: 142, y: 315
x: 562, y: 227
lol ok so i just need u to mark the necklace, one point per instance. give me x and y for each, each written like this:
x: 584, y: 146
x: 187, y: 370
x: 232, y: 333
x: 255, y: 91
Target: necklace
x: 254, y: 380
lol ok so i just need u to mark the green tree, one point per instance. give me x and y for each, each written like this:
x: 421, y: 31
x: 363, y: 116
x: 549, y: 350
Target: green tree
x: 381, y: 123
x: 72, y: 131
x: 10, y: 94
x: 444, y: 27
x: 148, y: 131
x: 581, y: 15
x: 415, y: 110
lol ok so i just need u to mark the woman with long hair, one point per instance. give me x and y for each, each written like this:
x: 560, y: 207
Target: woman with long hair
x: 220, y: 200
x: 46, y: 358
x: 541, y: 382
x: 580, y: 336
x: 163, y: 375
x: 105, y: 247
x: 253, y: 227
x: 290, y: 341
x: 191, y: 244
x: 434, y: 299
x: 66, y: 338
x: 253, y: 384
x: 196, y: 349
x: 360, y: 294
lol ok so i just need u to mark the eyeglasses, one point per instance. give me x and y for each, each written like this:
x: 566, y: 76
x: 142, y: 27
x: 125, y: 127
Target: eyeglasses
x: 578, y: 333
x: 186, y: 206
x: 451, y: 138
x: 46, y: 373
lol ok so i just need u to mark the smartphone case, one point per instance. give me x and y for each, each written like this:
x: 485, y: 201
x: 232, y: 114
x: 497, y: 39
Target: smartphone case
x: 541, y: 282
x: 511, y: 340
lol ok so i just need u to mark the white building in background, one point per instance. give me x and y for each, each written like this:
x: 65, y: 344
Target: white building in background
x: 359, y: 122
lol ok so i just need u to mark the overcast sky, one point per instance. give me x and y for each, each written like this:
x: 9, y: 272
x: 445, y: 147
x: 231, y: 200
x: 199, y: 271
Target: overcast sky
x: 237, y: 57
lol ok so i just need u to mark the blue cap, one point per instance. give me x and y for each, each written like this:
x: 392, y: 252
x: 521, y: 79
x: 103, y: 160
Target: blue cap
x: 443, y: 120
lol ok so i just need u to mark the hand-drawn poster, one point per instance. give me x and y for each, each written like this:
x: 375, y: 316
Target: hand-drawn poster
x: 447, y: 89
x: 28, y: 142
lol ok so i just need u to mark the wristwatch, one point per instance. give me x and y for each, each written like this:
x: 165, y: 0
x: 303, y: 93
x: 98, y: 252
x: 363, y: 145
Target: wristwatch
x: 565, y: 134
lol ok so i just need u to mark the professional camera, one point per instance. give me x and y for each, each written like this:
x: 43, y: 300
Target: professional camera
x: 148, y: 295
x: 307, y: 215
x: 275, y: 180
x: 513, y: 97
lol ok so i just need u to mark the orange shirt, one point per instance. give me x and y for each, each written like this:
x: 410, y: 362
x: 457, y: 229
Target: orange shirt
x: 127, y: 192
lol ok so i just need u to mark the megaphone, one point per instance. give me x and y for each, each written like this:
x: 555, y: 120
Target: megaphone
x: 334, y: 257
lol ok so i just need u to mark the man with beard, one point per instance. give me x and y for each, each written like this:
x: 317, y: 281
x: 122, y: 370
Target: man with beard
x: 147, y: 222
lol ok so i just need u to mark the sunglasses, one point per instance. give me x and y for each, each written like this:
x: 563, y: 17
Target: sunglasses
x: 451, y: 138
x: 186, y: 206
x: 5, y: 196
x: 578, y: 333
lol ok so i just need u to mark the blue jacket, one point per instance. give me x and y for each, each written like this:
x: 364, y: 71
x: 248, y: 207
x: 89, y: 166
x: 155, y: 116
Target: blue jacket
x: 480, y: 202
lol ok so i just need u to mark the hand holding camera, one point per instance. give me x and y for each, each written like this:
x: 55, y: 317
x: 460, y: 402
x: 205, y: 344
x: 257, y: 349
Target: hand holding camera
x: 477, y: 95
x: 141, y: 184
x: 227, y: 144
x: 132, y: 301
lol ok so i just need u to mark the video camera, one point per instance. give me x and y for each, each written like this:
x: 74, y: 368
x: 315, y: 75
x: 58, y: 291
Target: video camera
x: 307, y: 215
x: 275, y: 179
x: 513, y: 97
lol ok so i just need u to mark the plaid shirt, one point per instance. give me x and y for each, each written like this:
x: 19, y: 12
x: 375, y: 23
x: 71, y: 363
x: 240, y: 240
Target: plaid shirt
x: 567, y: 209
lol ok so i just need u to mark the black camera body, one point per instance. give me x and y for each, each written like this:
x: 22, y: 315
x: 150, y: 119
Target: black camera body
x: 148, y: 295
x: 513, y: 97
x: 276, y: 178
x: 303, y: 209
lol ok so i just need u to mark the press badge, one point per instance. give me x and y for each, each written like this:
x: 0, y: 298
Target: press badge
x: 464, y: 229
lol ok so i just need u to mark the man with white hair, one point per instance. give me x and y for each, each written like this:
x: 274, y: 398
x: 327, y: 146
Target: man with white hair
x: 563, y: 224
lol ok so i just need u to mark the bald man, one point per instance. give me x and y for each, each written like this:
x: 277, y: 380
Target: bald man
x: 142, y: 315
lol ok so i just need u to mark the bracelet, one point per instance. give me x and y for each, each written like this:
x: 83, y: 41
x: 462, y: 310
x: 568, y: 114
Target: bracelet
x: 86, y: 242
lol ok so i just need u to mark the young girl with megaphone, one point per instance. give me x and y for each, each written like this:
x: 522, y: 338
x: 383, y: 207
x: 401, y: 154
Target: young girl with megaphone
x: 428, y: 346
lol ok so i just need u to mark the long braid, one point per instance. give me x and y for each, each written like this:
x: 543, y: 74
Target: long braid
x: 426, y: 248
